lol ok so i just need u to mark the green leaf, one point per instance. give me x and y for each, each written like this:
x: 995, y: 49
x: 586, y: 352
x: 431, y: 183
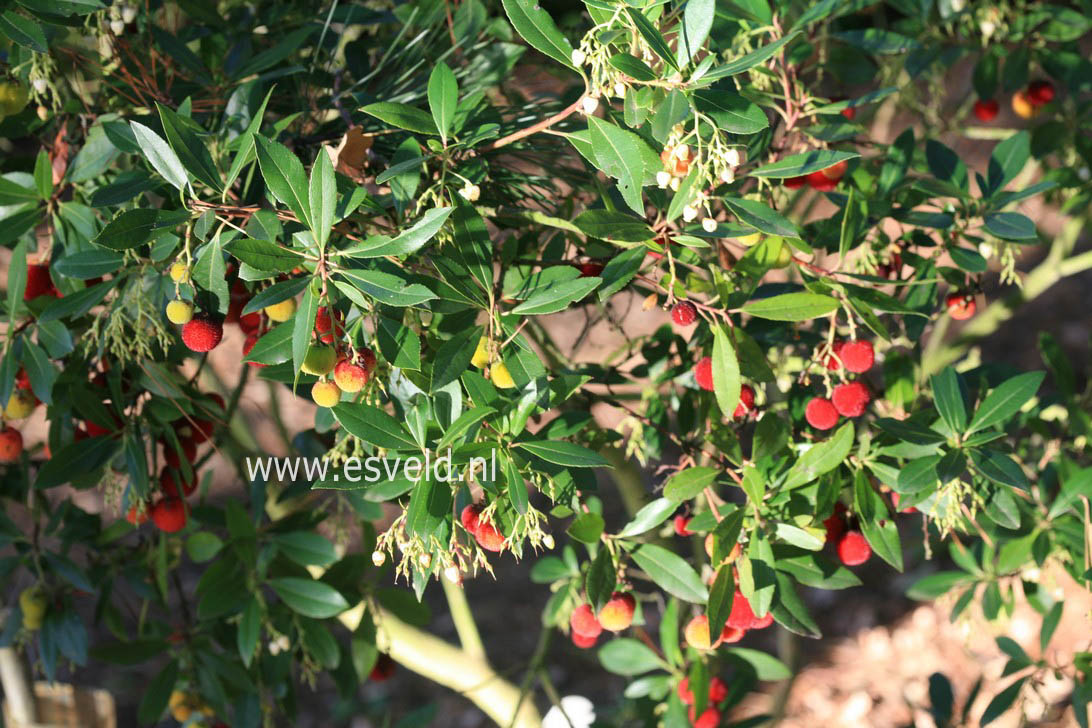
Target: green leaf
x: 600, y: 580
x: 688, y: 483
x: 284, y: 177
x: 160, y: 155
x: 564, y: 453
x: 406, y: 242
x: 402, y: 116
x: 918, y: 475
x: 804, y: 163
x: 203, y: 546
x: 1008, y: 159
x: 193, y: 155
x: 633, y: 67
x: 264, y: 255
x: 766, y: 667
x: 909, y: 431
x: 557, y: 297
x: 158, y: 693
x: 322, y: 198
x: 750, y: 60
x: 948, y: 397
x: 1005, y: 400
x: 133, y: 228
x: 649, y: 517
x: 620, y: 271
x: 23, y: 31
x: 878, y: 41
x: 791, y: 306
x: 627, y: 656
x: 306, y: 548
x: 443, y: 98
x: 310, y: 598
x: 726, y: 381
x: 878, y: 527
x: 790, y: 611
x: 670, y: 112
x: 613, y: 225
x: 388, y: 288
x: 15, y: 194
x: 245, y: 152
x: 87, y: 264
x: 821, y: 458
x: 1002, y: 702
x: 586, y: 528
x: 731, y: 112
x: 721, y: 597
x: 930, y: 587
x: 210, y: 274
x: 653, y: 37
x: 374, y: 426
x: 430, y: 504
x: 761, y: 217
x: 453, y: 357
x: 537, y: 28
x: 671, y: 573
x: 695, y: 27
x: 619, y: 154
x: 999, y: 468
x: 1010, y: 226
x: 249, y: 631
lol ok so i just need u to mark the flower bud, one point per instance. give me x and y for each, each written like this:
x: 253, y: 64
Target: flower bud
x: 620, y: 89
x: 663, y: 179
x: 590, y: 104
x: 689, y: 213
x: 378, y: 557
x: 425, y: 561
x: 128, y: 14
x: 548, y: 541
x: 578, y: 57
x: 40, y: 85
x: 732, y: 157
x: 117, y: 27
x: 709, y: 225
x: 675, y: 182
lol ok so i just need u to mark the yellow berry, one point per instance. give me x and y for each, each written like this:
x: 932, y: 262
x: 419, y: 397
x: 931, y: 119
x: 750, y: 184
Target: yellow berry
x: 33, y: 602
x: 501, y: 377
x: 20, y: 405
x: 319, y: 360
x: 281, y: 311
x: 179, y: 312
x: 1022, y: 106
x: 13, y: 98
x: 481, y: 354
x: 325, y: 394
x: 179, y: 704
x: 749, y: 240
x: 179, y: 272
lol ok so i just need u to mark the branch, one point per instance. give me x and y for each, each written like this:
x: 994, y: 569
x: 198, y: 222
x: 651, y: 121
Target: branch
x: 447, y: 665
x: 535, y: 128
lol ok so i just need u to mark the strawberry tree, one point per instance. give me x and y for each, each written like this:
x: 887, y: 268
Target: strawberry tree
x: 408, y: 221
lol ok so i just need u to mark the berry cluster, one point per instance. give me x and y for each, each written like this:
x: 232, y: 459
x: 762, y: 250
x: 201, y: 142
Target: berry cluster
x: 616, y: 615
x: 850, y: 398
x: 823, y: 180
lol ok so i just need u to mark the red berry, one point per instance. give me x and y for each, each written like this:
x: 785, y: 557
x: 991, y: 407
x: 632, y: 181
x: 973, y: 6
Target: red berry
x: 584, y: 623
x: 895, y: 498
x: 834, y: 359
x: 202, y: 333
x: 835, y: 171
x: 136, y: 516
x: 795, y: 182
x: 38, y: 282
x: 170, y: 454
x: 685, y: 694
x: 590, y: 270
x: 169, y: 485
x: 853, y: 549
x: 836, y: 524
x: 821, y: 182
x: 741, y: 615
x: 327, y: 327
x: 961, y: 306
x: 367, y: 358
x: 383, y: 669
x: 250, y: 323
x: 681, y: 523
x: 169, y: 514
x: 583, y: 642
x: 762, y: 622
x: 488, y: 537
x: 469, y: 518
x: 1040, y: 92
x: 617, y: 614
x: 710, y: 718
x: 703, y: 373
x: 850, y: 113
x: 684, y: 313
x: 248, y: 345
x: 95, y: 430
x: 746, y: 401
x: 718, y: 690
x: 11, y: 445
x: 851, y: 399
x: 986, y: 110
x: 731, y: 634
x: 857, y: 356
x: 821, y: 414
